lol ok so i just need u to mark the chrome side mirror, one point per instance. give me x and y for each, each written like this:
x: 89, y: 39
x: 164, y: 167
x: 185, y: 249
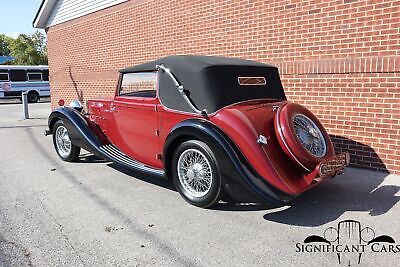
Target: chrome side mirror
x: 75, y: 104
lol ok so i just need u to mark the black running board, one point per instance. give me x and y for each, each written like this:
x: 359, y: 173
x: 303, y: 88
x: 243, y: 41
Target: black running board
x: 117, y: 156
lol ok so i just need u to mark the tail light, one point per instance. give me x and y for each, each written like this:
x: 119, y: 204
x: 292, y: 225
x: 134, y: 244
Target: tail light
x: 61, y: 102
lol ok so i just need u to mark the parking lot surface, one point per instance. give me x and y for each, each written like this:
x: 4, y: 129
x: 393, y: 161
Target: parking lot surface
x: 95, y: 213
x: 18, y: 101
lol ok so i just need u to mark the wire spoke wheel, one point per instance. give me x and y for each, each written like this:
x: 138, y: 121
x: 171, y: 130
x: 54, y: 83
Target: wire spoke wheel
x: 63, y: 142
x: 309, y: 135
x: 195, y: 173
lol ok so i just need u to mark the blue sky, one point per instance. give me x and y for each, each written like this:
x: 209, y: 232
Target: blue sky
x: 17, y: 16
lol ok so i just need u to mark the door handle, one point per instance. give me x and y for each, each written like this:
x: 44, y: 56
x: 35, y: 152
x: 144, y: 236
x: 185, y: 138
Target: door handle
x: 113, y: 108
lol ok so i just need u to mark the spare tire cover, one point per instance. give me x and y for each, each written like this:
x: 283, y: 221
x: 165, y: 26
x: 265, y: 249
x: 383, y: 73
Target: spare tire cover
x: 301, y: 136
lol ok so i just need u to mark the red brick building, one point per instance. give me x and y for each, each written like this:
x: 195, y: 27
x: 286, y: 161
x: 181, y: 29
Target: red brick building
x: 340, y: 58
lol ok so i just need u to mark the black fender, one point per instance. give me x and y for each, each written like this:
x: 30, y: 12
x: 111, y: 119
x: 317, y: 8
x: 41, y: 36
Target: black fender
x: 86, y: 134
x: 239, y: 179
x: 78, y: 128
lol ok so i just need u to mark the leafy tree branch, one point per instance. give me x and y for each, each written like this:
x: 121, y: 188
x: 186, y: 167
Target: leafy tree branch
x: 26, y: 49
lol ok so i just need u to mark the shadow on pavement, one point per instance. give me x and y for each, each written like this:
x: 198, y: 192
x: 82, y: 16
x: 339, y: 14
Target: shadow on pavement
x: 162, y: 245
x: 327, y: 202
x: 234, y: 206
x: 144, y: 177
x: 90, y: 158
x: 356, y: 190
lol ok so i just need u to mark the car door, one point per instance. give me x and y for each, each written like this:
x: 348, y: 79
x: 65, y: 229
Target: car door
x: 135, y: 118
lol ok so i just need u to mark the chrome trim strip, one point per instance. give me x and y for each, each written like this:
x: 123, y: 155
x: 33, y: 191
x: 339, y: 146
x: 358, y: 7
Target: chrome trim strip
x: 262, y: 139
x: 119, y: 158
x: 113, y: 148
x: 117, y: 155
x: 284, y: 141
x: 123, y: 158
x: 134, y: 165
x: 115, y: 158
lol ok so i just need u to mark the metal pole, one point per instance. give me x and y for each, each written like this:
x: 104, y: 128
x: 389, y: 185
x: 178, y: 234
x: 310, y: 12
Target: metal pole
x: 25, y: 105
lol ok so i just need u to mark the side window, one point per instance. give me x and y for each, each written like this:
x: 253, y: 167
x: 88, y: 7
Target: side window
x: 4, y: 77
x: 34, y: 76
x: 45, y: 74
x: 139, y: 84
x: 18, y: 75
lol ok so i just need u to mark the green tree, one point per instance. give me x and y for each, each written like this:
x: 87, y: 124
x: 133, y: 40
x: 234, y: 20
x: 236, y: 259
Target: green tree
x: 29, y: 49
x: 26, y: 49
x: 4, y: 43
x: 39, y: 40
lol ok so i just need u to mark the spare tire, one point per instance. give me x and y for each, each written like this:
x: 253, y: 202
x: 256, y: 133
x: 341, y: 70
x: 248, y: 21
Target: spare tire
x: 301, y: 136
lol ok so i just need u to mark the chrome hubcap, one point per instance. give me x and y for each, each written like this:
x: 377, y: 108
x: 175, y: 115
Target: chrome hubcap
x: 309, y: 135
x: 63, y: 142
x: 194, y: 172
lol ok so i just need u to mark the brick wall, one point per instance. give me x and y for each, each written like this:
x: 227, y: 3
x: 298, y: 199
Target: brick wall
x: 340, y: 58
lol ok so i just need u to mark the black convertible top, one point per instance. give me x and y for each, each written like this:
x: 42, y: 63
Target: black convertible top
x: 212, y: 82
x: 193, y: 63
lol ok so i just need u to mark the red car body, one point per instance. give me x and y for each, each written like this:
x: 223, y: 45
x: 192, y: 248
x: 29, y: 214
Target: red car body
x: 259, y: 155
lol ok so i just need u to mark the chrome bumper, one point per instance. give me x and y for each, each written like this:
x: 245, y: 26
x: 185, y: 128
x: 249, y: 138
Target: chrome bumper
x: 329, y: 168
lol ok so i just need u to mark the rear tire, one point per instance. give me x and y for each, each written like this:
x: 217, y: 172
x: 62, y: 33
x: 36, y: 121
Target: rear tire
x: 196, y: 174
x: 33, y: 97
x: 62, y: 143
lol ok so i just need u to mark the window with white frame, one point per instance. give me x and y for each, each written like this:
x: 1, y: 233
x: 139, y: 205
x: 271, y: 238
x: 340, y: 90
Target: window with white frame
x: 139, y: 84
x: 34, y: 76
x: 4, y: 77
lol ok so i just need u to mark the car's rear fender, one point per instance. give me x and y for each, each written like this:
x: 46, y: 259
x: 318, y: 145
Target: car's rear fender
x: 238, y: 178
x: 245, y: 123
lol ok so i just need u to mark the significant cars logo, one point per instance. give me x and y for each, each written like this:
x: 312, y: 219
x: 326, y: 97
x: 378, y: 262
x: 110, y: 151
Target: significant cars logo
x: 349, y: 241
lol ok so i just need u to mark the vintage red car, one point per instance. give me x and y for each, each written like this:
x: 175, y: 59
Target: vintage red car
x: 215, y: 126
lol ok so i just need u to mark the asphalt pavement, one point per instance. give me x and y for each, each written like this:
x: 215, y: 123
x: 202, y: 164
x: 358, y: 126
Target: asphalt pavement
x: 95, y: 213
x: 19, y: 101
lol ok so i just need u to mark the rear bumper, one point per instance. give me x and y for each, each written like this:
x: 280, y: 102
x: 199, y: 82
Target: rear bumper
x: 328, y: 168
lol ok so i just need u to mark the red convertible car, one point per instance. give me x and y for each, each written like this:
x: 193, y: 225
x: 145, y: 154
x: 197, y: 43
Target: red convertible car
x: 213, y: 125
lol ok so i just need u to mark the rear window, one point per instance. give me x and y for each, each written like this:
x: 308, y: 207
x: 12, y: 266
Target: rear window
x: 252, y: 81
x: 241, y: 84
